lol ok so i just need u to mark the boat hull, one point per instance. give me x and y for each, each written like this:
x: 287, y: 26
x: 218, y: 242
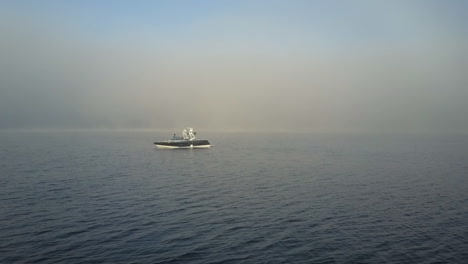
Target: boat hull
x: 183, y: 144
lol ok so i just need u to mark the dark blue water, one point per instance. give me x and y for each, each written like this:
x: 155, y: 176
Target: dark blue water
x: 110, y: 197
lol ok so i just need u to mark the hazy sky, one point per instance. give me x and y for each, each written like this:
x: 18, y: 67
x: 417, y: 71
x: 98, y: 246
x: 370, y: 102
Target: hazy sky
x: 332, y: 66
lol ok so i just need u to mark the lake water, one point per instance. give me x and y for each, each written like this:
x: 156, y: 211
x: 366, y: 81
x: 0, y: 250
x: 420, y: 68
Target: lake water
x: 111, y: 197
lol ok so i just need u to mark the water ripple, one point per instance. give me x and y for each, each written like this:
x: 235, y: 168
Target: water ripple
x: 318, y: 200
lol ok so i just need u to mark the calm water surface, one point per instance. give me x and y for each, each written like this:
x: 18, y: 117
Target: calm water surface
x: 110, y: 197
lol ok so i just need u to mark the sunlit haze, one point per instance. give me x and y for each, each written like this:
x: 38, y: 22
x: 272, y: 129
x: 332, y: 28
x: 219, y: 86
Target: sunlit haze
x: 325, y: 66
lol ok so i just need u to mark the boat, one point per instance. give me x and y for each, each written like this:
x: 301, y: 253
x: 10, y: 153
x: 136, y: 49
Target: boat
x: 188, y: 140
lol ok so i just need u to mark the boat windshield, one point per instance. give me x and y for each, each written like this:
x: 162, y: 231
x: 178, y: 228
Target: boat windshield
x: 175, y: 137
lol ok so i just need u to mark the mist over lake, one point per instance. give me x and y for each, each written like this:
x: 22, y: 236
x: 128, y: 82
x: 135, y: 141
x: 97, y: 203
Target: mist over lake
x: 339, y: 129
x: 306, y: 66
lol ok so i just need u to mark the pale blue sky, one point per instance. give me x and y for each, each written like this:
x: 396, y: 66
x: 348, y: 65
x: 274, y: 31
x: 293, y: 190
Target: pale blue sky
x: 253, y: 65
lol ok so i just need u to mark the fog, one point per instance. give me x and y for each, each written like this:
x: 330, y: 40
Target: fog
x: 297, y: 66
